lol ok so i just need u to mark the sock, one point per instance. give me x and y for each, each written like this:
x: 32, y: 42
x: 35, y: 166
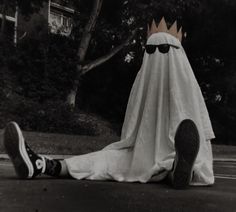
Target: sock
x: 52, y: 167
x: 64, y: 169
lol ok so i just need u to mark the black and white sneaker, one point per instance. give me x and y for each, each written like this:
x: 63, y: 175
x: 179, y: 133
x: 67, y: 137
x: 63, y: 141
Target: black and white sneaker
x: 186, y: 147
x: 27, y: 164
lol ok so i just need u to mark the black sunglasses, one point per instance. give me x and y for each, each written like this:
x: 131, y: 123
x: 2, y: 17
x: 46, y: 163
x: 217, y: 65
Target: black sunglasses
x: 163, y: 48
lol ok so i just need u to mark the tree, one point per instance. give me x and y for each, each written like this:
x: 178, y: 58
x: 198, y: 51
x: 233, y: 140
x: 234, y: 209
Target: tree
x: 82, y: 66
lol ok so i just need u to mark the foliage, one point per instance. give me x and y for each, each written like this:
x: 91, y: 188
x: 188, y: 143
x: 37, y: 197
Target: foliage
x: 44, y: 74
x: 54, y: 117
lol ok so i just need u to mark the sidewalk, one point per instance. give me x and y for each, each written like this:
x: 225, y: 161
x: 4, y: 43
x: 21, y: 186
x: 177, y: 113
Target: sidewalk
x: 222, y: 158
x: 62, y: 146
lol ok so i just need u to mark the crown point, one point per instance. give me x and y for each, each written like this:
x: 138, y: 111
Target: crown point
x: 173, y: 30
x: 151, y: 30
x: 180, y: 34
x: 162, y: 27
x: 148, y: 30
x: 154, y: 26
x: 153, y: 22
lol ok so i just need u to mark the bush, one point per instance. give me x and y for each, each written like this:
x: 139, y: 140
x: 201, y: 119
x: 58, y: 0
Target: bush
x: 53, y: 117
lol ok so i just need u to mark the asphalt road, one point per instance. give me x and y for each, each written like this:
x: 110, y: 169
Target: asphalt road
x: 47, y: 194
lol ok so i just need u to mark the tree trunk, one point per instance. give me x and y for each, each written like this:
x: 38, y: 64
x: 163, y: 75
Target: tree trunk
x: 83, y: 47
x: 88, y: 30
x: 71, y: 97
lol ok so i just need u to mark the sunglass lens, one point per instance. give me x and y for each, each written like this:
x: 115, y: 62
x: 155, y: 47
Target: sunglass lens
x: 150, y: 49
x: 164, y: 48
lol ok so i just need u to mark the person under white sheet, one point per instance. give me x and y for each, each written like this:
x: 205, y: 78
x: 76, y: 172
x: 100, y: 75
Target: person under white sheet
x: 166, y: 132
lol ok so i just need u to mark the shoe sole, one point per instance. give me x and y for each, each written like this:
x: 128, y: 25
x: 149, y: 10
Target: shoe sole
x: 187, y: 147
x: 15, y: 146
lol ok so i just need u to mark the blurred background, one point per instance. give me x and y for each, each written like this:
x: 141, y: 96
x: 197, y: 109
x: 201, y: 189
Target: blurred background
x: 67, y: 66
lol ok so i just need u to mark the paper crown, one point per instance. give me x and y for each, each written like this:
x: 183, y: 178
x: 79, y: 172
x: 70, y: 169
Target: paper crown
x: 162, y: 27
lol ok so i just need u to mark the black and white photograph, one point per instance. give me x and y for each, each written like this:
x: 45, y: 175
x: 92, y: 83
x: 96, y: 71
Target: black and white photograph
x: 120, y: 105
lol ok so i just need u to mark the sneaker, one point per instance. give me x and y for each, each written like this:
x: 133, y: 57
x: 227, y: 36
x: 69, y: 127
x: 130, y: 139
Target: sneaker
x: 186, y: 147
x: 27, y: 164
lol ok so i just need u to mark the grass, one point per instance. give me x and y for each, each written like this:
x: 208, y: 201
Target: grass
x: 48, y: 143
x: 71, y: 143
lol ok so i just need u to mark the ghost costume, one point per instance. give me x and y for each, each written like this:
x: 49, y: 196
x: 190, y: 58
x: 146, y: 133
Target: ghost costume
x: 164, y: 93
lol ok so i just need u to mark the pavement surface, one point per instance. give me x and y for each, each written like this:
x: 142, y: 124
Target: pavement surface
x: 45, y: 194
x: 49, y: 194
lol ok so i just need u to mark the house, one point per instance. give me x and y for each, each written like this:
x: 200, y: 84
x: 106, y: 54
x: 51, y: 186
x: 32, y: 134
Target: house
x: 60, y: 17
x: 55, y: 17
x: 11, y: 23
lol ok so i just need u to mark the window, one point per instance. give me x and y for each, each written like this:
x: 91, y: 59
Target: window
x: 60, y: 18
x: 60, y: 23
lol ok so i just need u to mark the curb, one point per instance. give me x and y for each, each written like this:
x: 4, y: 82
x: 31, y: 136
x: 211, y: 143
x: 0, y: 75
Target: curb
x: 224, y: 159
x: 216, y: 159
x: 6, y: 157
